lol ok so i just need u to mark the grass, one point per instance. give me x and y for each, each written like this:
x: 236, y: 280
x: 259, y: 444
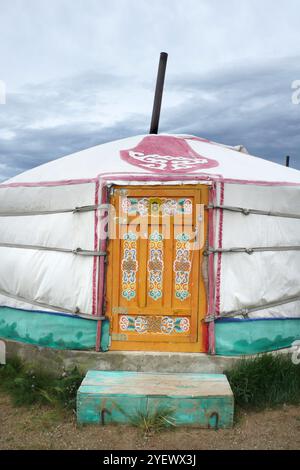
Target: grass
x: 265, y: 381
x: 257, y: 383
x: 28, y: 386
x: 154, y: 421
x: 151, y: 421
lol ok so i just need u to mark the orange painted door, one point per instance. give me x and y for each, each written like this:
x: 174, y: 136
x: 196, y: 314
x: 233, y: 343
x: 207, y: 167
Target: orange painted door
x: 155, y: 293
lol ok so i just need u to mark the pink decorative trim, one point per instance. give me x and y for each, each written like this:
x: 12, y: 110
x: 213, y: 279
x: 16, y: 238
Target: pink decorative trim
x: 211, y: 273
x: 129, y: 176
x: 166, y: 153
x: 220, y: 244
x: 211, y: 258
x: 258, y: 182
x: 140, y: 177
x: 102, y: 190
x: 47, y: 183
x: 211, y: 338
x: 96, y: 242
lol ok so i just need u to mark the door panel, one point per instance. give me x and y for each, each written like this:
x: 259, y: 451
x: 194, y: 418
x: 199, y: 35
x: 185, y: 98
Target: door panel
x: 155, y: 293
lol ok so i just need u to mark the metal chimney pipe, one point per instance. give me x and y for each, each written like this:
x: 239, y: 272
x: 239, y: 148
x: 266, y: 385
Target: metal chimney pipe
x: 158, y: 92
x: 287, y: 161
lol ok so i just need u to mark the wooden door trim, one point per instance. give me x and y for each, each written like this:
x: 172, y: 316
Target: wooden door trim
x: 113, y: 249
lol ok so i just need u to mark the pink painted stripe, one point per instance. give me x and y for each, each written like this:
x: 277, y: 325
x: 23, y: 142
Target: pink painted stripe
x: 129, y: 176
x: 101, y: 271
x: 258, y: 182
x: 48, y: 183
x: 211, y: 244
x: 220, y: 244
x: 96, y: 243
x: 211, y: 274
x: 141, y: 177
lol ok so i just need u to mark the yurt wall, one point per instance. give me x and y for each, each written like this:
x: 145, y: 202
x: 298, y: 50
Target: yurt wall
x: 258, y: 273
x: 46, y: 272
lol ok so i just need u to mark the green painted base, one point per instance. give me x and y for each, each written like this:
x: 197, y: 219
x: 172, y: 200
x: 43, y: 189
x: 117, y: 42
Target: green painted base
x: 58, y: 331
x: 50, y: 330
x: 202, y: 400
x: 235, y: 338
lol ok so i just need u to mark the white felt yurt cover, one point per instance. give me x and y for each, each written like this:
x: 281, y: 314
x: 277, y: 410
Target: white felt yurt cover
x: 30, y: 279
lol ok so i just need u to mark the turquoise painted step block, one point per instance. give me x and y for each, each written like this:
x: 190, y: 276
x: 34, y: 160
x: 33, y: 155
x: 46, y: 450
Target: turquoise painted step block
x: 203, y: 400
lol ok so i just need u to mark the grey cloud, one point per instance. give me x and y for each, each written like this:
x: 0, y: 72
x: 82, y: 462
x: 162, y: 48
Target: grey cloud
x: 250, y: 106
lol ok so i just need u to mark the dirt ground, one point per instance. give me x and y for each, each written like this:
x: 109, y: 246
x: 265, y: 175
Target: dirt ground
x: 46, y: 428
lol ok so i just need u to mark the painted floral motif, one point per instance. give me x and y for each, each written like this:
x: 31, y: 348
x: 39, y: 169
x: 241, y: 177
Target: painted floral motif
x: 184, y: 324
x: 176, y: 206
x: 154, y: 324
x: 155, y: 265
x: 124, y: 323
x: 167, y: 154
x: 165, y: 206
x: 129, y: 266
x: 140, y: 324
x: 182, y: 266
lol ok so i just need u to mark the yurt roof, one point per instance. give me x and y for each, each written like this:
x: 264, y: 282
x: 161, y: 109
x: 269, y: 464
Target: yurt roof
x: 162, y: 154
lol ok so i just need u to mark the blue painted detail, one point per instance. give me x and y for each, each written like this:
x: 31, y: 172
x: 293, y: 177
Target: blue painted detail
x: 105, y: 336
x: 233, y: 320
x: 203, y: 400
x: 50, y: 329
x: 236, y: 338
x: 59, y: 314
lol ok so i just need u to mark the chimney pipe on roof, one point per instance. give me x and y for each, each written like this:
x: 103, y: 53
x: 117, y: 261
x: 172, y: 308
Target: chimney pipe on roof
x: 158, y: 92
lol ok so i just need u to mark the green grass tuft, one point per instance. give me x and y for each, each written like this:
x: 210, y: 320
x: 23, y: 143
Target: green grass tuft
x: 265, y: 381
x: 151, y: 421
x: 154, y: 421
x: 27, y: 385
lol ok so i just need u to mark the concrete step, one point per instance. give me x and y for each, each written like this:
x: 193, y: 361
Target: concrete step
x: 203, y: 400
x: 131, y: 361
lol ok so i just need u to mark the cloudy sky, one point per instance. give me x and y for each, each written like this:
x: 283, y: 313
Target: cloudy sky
x: 81, y: 72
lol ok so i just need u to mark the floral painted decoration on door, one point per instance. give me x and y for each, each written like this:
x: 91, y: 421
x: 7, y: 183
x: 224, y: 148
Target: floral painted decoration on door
x: 129, y: 266
x: 182, y: 266
x: 164, y: 206
x: 155, y: 265
x: 154, y: 324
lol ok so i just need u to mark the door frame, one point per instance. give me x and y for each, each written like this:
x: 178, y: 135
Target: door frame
x: 201, y: 344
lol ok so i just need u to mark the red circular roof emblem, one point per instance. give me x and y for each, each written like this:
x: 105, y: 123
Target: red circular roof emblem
x: 166, y: 154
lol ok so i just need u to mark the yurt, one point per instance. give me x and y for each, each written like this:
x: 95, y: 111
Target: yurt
x: 152, y: 243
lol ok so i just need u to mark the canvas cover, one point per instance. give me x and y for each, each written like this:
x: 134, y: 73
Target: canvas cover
x: 70, y: 282
x: 248, y: 280
x: 54, y: 278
